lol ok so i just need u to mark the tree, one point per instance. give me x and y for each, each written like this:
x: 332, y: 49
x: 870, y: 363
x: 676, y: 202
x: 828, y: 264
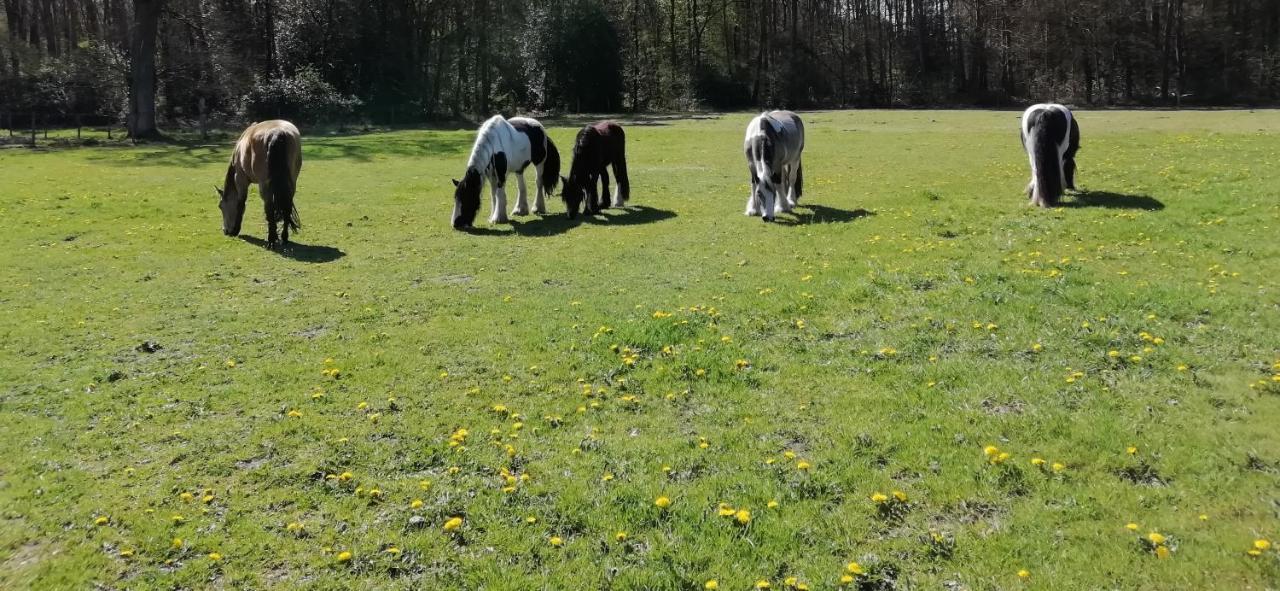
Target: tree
x: 142, y: 70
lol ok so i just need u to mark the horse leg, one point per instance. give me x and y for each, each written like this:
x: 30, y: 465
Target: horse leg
x: 540, y: 195
x: 522, y: 196
x: 753, y: 204
x: 604, y: 190
x: 268, y: 204
x: 787, y: 190
x: 592, y: 202
x: 499, y: 202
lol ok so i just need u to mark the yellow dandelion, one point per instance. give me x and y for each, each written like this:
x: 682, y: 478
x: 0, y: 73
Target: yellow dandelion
x: 762, y: 584
x: 854, y: 568
x: 1131, y: 526
x: 1024, y: 574
x: 416, y: 504
x: 846, y: 579
x: 1262, y: 544
x: 1156, y: 538
x: 176, y: 544
x: 1058, y: 466
x: 773, y: 504
x: 743, y: 517
x: 295, y: 413
x: 990, y: 450
x: 126, y: 553
x: 556, y: 541
x: 101, y: 521
x: 1131, y: 450
x: 711, y: 585
x: 879, y: 498
x: 453, y: 524
x: 662, y: 502
x: 1037, y: 462
x: 214, y: 556
x: 803, y: 465
x: 344, y: 556
x: 901, y: 496
x: 620, y: 536
x: 294, y: 526
x: 186, y: 497
x: 725, y: 511
x: 1162, y: 552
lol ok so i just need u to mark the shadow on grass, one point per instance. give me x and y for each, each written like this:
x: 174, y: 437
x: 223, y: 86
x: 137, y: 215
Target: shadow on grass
x: 821, y: 214
x: 306, y: 253
x: 1109, y: 200
x: 558, y: 223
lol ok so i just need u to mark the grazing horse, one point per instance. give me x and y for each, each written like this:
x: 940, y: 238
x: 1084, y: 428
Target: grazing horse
x: 598, y: 146
x: 504, y: 146
x: 774, y: 143
x: 270, y: 154
x: 1051, y: 137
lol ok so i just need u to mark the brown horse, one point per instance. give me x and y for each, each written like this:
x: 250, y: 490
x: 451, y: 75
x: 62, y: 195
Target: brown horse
x: 270, y: 154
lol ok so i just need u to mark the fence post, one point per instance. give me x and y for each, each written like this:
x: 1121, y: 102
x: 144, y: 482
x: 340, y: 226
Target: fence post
x: 77, y: 127
x: 33, y: 129
x: 204, y: 121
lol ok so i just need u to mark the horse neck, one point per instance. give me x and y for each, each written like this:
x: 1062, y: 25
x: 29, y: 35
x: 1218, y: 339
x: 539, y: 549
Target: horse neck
x: 488, y: 142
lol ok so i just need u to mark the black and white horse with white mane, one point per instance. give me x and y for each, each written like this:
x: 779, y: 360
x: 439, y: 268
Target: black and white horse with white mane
x: 774, y: 143
x: 503, y: 146
x: 1051, y: 138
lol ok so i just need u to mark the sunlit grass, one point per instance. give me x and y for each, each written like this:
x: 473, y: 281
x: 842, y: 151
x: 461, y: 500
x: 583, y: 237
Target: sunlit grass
x: 917, y: 379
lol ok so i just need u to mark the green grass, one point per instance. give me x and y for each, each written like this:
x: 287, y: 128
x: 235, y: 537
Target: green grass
x: 884, y: 336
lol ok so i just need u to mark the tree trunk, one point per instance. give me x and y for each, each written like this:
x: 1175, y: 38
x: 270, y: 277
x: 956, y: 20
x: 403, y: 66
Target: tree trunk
x: 142, y: 70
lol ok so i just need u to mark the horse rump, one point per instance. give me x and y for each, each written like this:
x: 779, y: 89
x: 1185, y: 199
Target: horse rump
x: 280, y: 177
x: 620, y: 167
x: 1046, y: 130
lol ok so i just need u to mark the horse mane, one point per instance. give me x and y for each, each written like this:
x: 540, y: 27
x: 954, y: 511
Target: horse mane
x: 229, y: 182
x: 482, y: 151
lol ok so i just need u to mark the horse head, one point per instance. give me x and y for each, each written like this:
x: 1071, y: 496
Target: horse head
x: 573, y: 193
x: 466, y: 199
x: 231, y: 203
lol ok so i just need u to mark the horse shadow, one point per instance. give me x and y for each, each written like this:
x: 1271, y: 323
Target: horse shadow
x: 1109, y: 200
x: 821, y: 214
x: 306, y: 253
x: 559, y: 223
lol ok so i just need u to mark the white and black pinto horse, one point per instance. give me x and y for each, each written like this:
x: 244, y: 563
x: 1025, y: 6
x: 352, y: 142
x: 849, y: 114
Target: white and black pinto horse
x: 774, y: 143
x: 503, y: 146
x: 1051, y: 138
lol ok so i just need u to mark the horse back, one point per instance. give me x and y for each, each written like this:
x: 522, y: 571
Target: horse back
x: 535, y: 134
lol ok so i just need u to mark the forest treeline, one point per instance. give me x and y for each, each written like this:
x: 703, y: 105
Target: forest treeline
x: 400, y: 61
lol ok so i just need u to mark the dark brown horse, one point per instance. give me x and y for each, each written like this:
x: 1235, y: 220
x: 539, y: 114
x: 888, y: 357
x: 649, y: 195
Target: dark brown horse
x: 269, y: 154
x: 598, y: 146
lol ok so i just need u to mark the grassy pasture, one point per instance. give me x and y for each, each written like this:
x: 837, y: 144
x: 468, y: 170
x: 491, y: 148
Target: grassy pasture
x: 184, y: 410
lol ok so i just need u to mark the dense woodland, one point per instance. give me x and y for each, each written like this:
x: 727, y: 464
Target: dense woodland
x: 176, y: 62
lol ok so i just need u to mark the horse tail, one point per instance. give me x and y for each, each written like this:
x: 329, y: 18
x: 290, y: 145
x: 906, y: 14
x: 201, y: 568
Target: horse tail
x: 1046, y: 128
x: 280, y: 176
x: 799, y: 179
x: 550, y: 168
x: 620, y: 169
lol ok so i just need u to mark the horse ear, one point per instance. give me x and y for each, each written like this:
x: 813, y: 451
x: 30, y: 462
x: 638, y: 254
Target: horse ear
x: 219, y: 191
x: 455, y: 182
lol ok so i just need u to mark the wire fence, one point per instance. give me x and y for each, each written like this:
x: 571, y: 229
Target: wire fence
x: 31, y: 128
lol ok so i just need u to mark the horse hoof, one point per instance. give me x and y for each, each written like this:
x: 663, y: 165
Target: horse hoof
x: 767, y: 219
